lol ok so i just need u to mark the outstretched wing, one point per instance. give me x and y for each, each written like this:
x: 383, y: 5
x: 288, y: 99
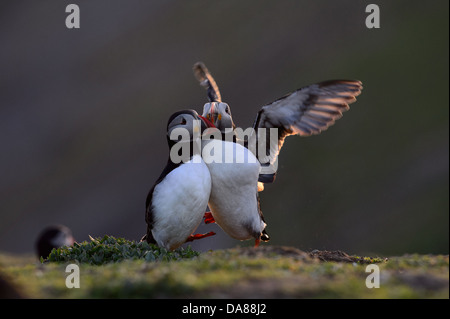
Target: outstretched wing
x: 307, y: 111
x: 207, y: 81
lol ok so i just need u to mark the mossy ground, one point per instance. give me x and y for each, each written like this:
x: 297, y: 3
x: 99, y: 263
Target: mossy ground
x: 266, y: 272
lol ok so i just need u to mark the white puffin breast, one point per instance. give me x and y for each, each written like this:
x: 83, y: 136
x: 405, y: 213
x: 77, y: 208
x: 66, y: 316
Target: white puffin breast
x: 233, y: 200
x: 179, y: 202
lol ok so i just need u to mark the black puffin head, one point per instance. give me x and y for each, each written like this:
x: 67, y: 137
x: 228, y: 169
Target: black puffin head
x: 188, y: 123
x: 53, y: 237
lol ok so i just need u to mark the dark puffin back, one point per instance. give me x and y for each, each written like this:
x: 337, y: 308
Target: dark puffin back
x: 170, y: 166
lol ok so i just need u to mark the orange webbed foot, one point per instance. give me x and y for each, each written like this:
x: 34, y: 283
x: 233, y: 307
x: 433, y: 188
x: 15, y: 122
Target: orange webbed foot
x: 209, y: 219
x: 199, y: 236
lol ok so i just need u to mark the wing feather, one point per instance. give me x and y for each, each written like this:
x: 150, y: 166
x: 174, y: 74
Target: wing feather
x: 307, y: 111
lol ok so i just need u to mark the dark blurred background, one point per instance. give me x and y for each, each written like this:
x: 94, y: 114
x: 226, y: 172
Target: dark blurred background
x: 83, y: 115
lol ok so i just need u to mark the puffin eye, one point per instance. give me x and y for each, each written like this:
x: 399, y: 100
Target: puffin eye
x: 227, y: 109
x: 183, y: 121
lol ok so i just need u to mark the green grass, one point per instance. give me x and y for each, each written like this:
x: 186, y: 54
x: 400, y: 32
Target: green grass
x: 117, y: 268
x: 108, y: 249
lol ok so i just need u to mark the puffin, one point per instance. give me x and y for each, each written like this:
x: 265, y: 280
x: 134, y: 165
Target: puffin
x: 307, y: 111
x: 304, y: 112
x: 175, y: 205
x: 53, y: 236
x: 234, y: 201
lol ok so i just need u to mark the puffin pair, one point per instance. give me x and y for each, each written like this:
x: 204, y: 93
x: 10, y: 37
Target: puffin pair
x: 176, y: 203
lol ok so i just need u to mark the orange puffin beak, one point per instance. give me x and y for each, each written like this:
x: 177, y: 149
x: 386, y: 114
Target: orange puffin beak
x: 207, y: 121
x: 212, y: 115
